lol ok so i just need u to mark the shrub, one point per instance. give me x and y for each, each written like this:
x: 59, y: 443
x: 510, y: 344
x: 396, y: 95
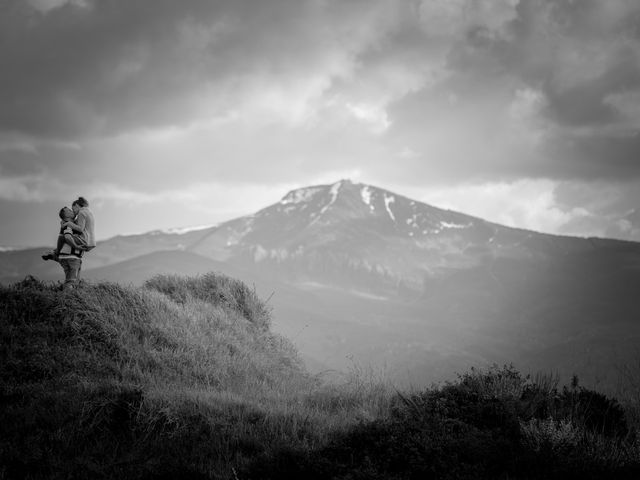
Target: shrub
x: 487, y: 425
x: 550, y: 438
x: 594, y: 411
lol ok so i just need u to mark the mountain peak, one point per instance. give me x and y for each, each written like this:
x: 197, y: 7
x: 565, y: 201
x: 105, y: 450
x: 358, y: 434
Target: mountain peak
x: 347, y: 200
x: 300, y: 195
x: 305, y: 194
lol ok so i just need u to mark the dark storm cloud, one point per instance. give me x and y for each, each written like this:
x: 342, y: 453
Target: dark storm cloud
x: 178, y: 103
x: 367, y: 79
x: 598, y: 155
x: 16, y: 163
x: 559, y: 83
x: 578, y: 53
x: 581, y: 55
x: 107, y: 66
x: 585, y: 102
x: 116, y: 77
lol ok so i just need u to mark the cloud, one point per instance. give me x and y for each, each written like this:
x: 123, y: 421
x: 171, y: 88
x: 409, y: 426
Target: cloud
x: 372, y: 115
x: 611, y: 204
x: 579, y: 53
x: 450, y: 17
x: 17, y: 144
x: 524, y: 202
x: 149, y: 102
x: 46, y: 6
x: 112, y: 66
x: 420, y: 75
x: 546, y: 89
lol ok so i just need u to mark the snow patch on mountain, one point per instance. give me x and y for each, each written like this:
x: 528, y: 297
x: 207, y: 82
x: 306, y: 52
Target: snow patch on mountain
x: 335, y: 189
x: 300, y: 195
x: 388, y: 200
x: 290, y: 208
x: 365, y: 193
x: 452, y: 225
x: 413, y: 221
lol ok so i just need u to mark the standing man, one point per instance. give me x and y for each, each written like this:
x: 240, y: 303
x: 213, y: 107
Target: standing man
x: 71, y: 264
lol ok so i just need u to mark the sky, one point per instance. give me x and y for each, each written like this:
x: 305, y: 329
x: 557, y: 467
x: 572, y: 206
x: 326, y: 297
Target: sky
x: 167, y: 113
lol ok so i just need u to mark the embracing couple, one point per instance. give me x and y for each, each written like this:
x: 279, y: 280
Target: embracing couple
x: 76, y: 237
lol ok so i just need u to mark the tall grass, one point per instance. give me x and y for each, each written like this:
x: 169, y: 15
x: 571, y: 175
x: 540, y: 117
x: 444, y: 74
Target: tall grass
x: 216, y: 289
x: 182, y: 378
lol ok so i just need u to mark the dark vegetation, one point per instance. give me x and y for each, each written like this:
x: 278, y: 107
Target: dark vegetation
x: 493, y: 424
x: 183, y: 379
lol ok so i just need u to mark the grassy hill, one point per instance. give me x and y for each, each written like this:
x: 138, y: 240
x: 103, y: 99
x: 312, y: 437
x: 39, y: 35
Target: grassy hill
x: 183, y: 378
x: 180, y: 378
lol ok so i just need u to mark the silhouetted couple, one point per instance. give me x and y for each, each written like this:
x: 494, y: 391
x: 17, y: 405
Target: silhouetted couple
x: 76, y: 237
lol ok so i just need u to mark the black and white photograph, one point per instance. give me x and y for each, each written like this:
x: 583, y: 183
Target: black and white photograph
x: 319, y: 239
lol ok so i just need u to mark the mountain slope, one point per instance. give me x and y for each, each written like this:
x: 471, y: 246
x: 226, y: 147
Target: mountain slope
x: 352, y: 233
x: 360, y: 274
x: 371, y: 235
x: 423, y: 292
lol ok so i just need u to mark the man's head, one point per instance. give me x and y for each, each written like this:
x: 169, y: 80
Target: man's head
x: 66, y: 214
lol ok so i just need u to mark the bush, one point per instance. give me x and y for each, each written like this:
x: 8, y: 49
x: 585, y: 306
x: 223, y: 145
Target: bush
x: 593, y: 411
x: 488, y: 425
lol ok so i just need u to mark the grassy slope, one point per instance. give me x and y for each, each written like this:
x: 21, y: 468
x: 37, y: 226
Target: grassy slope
x: 183, y: 378
x: 108, y: 381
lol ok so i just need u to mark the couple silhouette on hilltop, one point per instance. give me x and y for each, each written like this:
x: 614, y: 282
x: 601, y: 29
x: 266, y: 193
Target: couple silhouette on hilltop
x: 76, y: 236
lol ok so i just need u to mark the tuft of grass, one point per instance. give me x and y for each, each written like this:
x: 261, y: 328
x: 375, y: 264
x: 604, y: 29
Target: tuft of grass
x: 216, y: 289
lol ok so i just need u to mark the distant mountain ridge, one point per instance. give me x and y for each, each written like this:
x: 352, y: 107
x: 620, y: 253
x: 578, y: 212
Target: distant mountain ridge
x: 359, y: 273
x: 368, y: 224
x: 372, y: 234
